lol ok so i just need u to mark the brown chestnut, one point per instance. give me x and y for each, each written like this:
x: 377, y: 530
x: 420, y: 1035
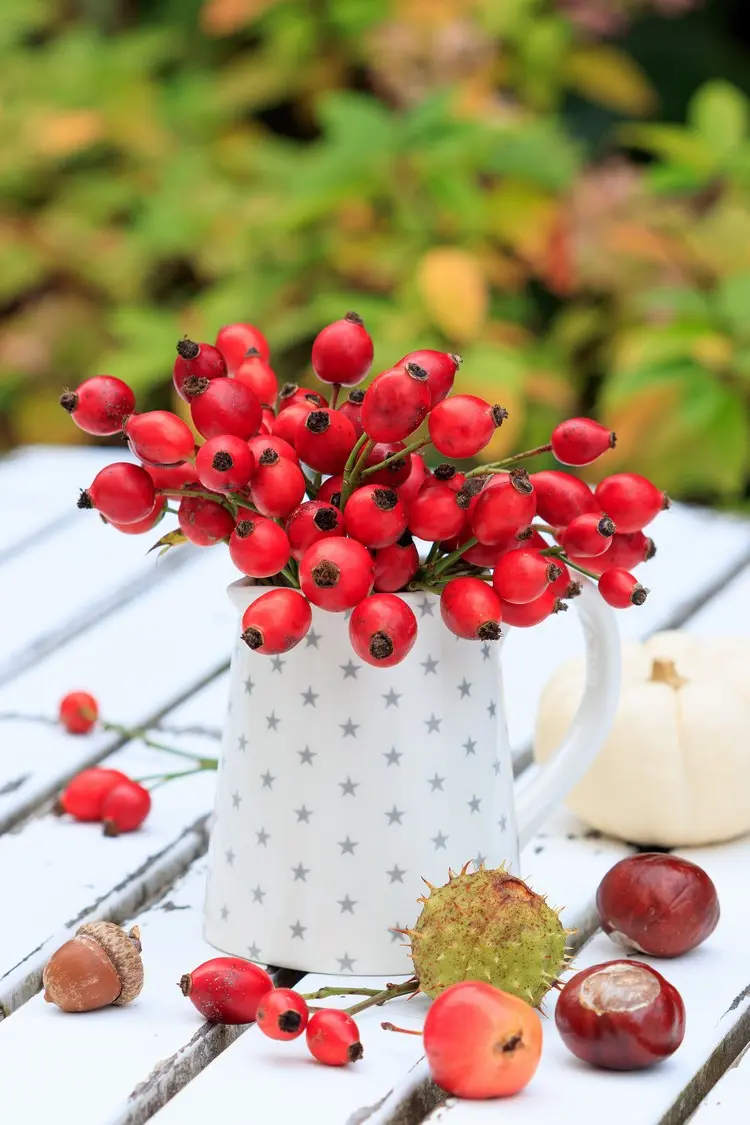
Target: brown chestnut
x: 657, y: 904
x: 621, y: 1015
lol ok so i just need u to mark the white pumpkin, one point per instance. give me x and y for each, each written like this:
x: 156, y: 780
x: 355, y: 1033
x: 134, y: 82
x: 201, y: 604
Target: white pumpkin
x: 675, y: 770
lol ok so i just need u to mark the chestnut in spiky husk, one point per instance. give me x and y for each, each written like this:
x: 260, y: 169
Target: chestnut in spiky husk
x: 488, y: 926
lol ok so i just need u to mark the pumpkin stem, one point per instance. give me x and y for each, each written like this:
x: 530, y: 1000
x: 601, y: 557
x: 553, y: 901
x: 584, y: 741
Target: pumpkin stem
x: 665, y: 672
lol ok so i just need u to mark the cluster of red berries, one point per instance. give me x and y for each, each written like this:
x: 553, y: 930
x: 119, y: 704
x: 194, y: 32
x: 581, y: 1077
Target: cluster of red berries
x: 325, y: 500
x: 232, y: 990
x: 103, y: 796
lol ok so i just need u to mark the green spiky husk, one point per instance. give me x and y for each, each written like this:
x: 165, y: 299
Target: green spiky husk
x: 492, y: 927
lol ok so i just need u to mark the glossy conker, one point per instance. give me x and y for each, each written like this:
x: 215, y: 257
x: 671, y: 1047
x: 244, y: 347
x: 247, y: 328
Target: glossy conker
x: 621, y: 1015
x: 657, y: 904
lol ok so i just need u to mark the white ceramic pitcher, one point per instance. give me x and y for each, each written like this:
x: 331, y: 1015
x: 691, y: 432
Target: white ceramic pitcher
x: 341, y: 785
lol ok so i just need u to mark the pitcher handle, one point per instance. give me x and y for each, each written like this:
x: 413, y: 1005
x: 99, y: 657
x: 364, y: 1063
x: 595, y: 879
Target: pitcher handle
x: 543, y: 787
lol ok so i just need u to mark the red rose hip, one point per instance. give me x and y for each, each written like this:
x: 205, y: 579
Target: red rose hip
x: 159, y: 438
x: 342, y: 352
x: 620, y: 589
x: 579, y: 441
x: 621, y: 1015
x: 324, y: 440
x: 310, y: 522
x: 234, y: 341
x: 277, y: 485
x: 382, y: 630
x: 336, y: 574
x: 257, y: 374
x: 375, y: 516
x: 224, y: 463
x: 204, y: 522
x: 657, y: 904
x: 258, y: 546
x: 396, y: 565
x: 441, y: 368
x: 223, y: 406
x: 84, y: 795
x: 333, y: 1038
x: 561, y: 497
x: 503, y: 508
x: 227, y: 989
x: 351, y: 407
x: 122, y: 492
x: 78, y: 712
x: 396, y: 402
x: 471, y: 609
x: 631, y: 500
x: 99, y: 405
x: 587, y: 536
x: 282, y: 1014
x: 463, y: 424
x: 125, y: 808
x: 276, y: 622
x: 523, y: 575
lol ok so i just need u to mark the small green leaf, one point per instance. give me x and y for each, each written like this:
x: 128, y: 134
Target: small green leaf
x: 733, y: 304
x: 171, y: 539
x: 719, y: 113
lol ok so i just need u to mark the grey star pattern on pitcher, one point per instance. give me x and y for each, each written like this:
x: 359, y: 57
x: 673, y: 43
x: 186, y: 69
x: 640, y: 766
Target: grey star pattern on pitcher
x: 429, y: 665
x: 224, y: 913
x: 254, y: 951
x: 469, y: 746
x: 394, y: 816
x: 347, y: 846
x: 277, y: 663
x: 440, y: 841
x: 392, y: 757
x: 249, y: 685
x: 426, y: 608
x: 348, y: 787
x: 271, y: 721
x: 491, y: 708
x: 392, y: 698
x: 242, y: 743
x: 309, y: 697
x: 350, y: 670
x: 300, y: 873
x: 486, y: 651
x: 503, y: 822
x: 298, y: 930
x: 236, y: 800
x: 259, y: 895
x: 268, y: 779
x: 347, y: 904
x: 478, y: 860
x: 349, y: 728
x: 396, y: 874
x: 306, y: 756
x: 303, y: 814
x: 436, y: 782
x: 346, y: 963
x: 474, y: 803
x: 433, y: 724
x: 464, y: 688
x: 312, y: 638
x: 263, y: 837
x: 394, y: 932
x: 496, y: 766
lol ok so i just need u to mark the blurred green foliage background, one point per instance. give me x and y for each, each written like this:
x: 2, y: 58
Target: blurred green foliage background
x: 557, y: 189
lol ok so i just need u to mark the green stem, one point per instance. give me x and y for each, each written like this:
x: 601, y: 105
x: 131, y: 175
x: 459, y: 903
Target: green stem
x: 291, y: 578
x: 142, y: 736
x: 443, y: 564
x: 224, y: 502
x: 494, y: 466
x: 399, y: 454
x: 432, y: 554
x: 163, y: 778
x: 545, y: 527
x: 328, y: 991
x: 408, y: 988
x: 557, y: 553
x: 335, y: 392
x: 353, y: 474
x: 352, y: 458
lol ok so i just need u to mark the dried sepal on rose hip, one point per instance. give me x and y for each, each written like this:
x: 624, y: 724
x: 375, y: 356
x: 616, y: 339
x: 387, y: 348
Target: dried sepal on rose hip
x: 283, y: 1014
x: 100, y: 966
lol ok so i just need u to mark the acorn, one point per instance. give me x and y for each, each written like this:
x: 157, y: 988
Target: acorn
x: 100, y: 966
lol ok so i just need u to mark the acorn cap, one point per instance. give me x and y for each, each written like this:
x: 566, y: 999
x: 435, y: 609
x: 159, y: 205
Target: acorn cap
x: 123, y: 950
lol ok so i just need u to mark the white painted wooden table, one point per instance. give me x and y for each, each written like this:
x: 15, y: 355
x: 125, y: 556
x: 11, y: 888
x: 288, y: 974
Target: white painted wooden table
x: 84, y: 608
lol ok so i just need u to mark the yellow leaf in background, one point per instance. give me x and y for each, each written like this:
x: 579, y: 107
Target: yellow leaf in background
x: 63, y: 133
x: 641, y: 414
x: 524, y: 217
x: 713, y: 351
x: 641, y: 242
x: 224, y: 17
x: 549, y: 388
x: 454, y: 292
x: 507, y: 334
x: 606, y: 75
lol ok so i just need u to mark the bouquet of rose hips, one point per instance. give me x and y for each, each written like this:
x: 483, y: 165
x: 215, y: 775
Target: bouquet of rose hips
x: 322, y: 502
